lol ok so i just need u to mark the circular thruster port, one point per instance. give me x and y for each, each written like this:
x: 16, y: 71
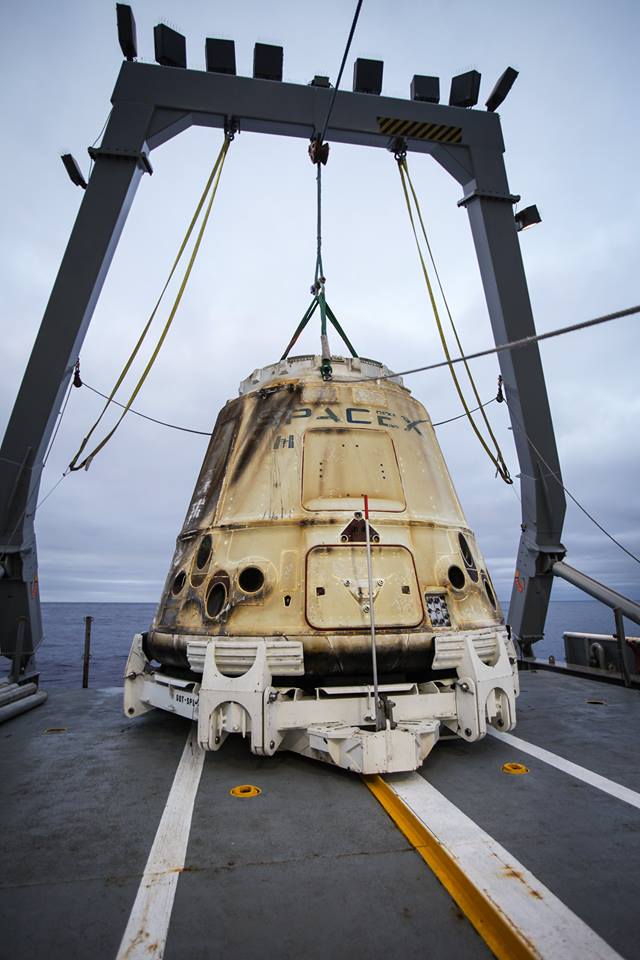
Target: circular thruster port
x: 204, y: 552
x: 456, y: 577
x: 245, y: 790
x: 514, y: 768
x: 489, y: 592
x: 179, y: 582
x: 251, y: 579
x: 216, y: 599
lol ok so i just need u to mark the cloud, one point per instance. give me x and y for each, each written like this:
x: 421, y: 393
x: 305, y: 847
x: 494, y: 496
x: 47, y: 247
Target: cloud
x: 109, y: 533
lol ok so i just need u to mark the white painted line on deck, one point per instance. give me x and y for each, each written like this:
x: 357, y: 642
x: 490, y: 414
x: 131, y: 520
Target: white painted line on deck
x: 550, y: 929
x: 573, y: 769
x: 148, y: 926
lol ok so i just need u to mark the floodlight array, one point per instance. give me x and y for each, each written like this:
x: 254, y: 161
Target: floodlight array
x: 220, y: 57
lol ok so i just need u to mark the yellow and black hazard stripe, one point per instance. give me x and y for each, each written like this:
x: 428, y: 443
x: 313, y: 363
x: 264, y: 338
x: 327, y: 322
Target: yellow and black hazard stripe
x: 416, y: 130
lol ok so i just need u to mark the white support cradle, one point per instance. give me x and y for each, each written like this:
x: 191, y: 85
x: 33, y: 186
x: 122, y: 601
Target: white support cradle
x: 333, y: 724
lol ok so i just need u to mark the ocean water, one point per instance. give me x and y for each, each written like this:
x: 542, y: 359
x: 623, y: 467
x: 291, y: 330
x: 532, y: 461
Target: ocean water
x: 59, y: 658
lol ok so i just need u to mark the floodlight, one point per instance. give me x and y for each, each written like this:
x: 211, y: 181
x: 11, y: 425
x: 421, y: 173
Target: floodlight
x: 72, y: 168
x: 527, y: 218
x: 267, y: 61
x: 426, y: 89
x: 220, y: 56
x: 170, y: 46
x: 501, y: 89
x: 367, y: 76
x: 126, y: 30
x: 465, y: 89
x: 320, y: 81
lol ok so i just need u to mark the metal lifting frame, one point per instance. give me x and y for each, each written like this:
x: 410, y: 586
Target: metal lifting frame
x: 152, y: 104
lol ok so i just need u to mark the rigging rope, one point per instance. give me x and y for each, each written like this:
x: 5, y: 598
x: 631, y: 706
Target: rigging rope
x: 307, y: 316
x: 319, y: 154
x: 461, y: 416
x: 341, y: 70
x: 210, y: 190
x: 496, y: 458
x: 162, y: 423
x: 512, y: 345
x: 319, y: 282
x: 104, y: 127
x: 555, y: 476
x: 507, y: 346
x: 207, y: 433
x: 30, y: 500
x: 59, y: 423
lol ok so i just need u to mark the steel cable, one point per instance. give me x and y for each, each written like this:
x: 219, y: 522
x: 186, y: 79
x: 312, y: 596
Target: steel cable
x: 512, y: 345
x: 555, y: 476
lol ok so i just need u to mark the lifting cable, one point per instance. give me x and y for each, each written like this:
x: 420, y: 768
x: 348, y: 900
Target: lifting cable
x: 207, y: 433
x: 209, y: 191
x: 511, y: 345
x: 334, y: 320
x: 496, y: 458
x: 319, y: 154
x: 558, y: 480
x: 144, y: 416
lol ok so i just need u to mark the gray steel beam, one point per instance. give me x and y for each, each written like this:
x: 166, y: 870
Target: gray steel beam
x: 543, y: 500
x: 84, y: 266
x: 295, y: 110
x: 152, y: 104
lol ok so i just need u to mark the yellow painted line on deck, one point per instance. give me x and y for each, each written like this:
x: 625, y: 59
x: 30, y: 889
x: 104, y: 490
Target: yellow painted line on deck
x: 516, y: 915
x: 486, y: 917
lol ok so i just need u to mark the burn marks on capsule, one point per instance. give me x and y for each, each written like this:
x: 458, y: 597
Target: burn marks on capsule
x: 270, y: 410
x: 209, y: 484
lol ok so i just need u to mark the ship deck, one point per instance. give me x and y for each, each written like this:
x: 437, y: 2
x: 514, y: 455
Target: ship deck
x: 314, y: 866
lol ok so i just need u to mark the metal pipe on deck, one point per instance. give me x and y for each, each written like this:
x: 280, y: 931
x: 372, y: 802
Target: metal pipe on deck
x: 16, y: 692
x: 14, y: 709
x: 628, y: 608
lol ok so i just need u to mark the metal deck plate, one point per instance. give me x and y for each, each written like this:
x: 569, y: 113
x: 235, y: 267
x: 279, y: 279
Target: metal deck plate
x: 313, y: 866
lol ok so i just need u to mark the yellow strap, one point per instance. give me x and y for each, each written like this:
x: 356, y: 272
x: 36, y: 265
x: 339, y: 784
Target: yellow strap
x: 497, y: 459
x: 214, y: 180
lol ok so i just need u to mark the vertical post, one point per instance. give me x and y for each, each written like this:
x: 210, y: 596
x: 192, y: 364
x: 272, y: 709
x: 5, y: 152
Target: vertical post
x: 87, y: 652
x: 94, y: 237
x: 621, y: 637
x: 489, y: 207
x: 379, y: 713
x: 16, y: 668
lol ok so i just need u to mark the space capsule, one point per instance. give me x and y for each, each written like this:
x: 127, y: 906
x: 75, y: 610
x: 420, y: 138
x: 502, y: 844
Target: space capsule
x: 264, y: 625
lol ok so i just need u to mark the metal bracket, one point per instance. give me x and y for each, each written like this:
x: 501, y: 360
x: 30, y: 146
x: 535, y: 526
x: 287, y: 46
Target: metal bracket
x: 231, y: 127
x: 398, y: 147
x: 490, y: 195
x: 115, y: 153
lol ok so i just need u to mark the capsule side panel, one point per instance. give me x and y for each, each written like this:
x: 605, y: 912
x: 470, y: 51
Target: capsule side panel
x: 270, y: 516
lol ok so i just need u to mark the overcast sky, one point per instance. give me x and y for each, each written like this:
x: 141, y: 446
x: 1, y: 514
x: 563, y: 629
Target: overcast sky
x: 573, y: 141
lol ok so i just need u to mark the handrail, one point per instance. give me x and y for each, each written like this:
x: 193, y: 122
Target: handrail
x: 629, y: 608
x: 622, y: 607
